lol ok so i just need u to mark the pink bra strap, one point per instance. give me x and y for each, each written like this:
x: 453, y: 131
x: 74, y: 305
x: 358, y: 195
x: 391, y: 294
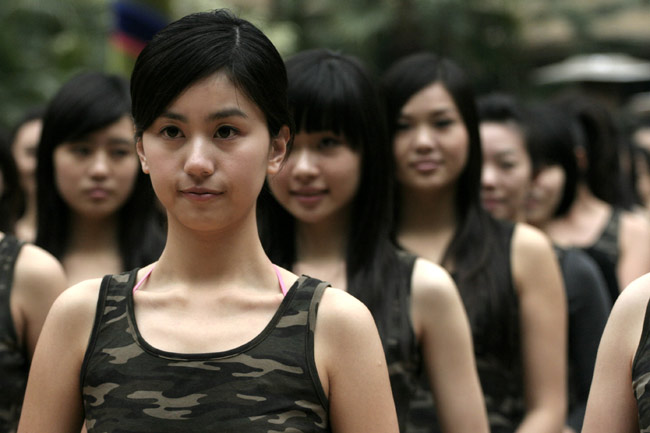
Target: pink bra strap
x: 280, y: 280
x: 137, y: 286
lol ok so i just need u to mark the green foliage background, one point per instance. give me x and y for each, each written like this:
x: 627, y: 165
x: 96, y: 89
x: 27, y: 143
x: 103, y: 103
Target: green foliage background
x: 44, y: 42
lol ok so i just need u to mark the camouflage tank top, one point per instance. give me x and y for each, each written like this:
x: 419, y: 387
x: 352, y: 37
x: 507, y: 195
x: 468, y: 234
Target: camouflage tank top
x: 402, y: 350
x: 14, y: 363
x: 641, y: 374
x: 269, y: 384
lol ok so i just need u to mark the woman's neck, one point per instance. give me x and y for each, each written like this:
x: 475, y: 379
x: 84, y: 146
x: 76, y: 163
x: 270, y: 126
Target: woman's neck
x: 208, y: 259
x: 426, y: 212
x: 325, y: 241
x: 86, y: 234
x: 585, y: 199
x: 26, y: 225
x: 427, y: 223
x: 321, y: 251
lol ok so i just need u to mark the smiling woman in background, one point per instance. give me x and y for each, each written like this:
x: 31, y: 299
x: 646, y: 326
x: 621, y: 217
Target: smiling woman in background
x: 507, y: 273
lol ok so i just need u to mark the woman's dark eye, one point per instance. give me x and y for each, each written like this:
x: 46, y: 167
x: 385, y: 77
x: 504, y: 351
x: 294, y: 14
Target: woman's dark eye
x: 171, y: 132
x: 328, y: 143
x: 443, y: 123
x: 81, y: 150
x: 225, y: 132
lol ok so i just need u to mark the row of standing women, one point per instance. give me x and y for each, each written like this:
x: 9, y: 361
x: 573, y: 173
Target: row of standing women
x: 203, y: 331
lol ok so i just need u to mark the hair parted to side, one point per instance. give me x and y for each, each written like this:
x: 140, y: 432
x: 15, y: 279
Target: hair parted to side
x: 86, y: 103
x: 199, y: 45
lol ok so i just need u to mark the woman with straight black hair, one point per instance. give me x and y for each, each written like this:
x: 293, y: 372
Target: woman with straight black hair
x: 212, y: 337
x: 96, y: 210
x: 330, y: 217
x: 506, y: 273
x: 520, y: 145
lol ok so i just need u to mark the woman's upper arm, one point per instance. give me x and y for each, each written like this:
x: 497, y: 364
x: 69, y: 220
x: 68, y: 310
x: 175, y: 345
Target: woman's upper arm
x: 352, y: 364
x: 543, y: 318
x: 444, y: 335
x: 38, y: 280
x: 53, y: 400
x: 611, y: 406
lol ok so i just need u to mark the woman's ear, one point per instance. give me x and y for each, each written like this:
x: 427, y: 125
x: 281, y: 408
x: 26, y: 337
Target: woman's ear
x: 143, y: 159
x: 278, y: 150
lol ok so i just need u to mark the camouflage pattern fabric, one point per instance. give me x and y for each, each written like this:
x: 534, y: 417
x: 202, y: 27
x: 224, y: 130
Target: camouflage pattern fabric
x: 268, y: 385
x: 402, y: 351
x: 641, y: 375
x: 14, y: 364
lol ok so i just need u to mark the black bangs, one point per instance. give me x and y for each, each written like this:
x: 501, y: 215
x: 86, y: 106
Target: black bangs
x: 323, y: 101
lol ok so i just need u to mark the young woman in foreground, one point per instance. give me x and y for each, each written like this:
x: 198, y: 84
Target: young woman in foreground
x: 212, y: 337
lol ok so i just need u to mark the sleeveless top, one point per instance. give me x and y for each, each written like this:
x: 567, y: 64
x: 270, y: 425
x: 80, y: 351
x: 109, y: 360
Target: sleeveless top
x: 268, y: 384
x: 501, y: 377
x: 403, y: 356
x: 589, y: 305
x: 14, y: 362
x: 605, y: 252
x: 641, y: 374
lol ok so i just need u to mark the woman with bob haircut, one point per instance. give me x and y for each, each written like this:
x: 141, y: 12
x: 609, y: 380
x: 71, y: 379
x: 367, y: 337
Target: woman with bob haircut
x: 507, y: 273
x: 332, y: 210
x: 96, y: 210
x: 618, y: 239
x: 212, y: 337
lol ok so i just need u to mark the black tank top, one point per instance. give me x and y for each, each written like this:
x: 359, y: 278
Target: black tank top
x: 14, y: 362
x: 605, y: 252
x: 500, y: 374
x: 641, y: 374
x: 268, y: 384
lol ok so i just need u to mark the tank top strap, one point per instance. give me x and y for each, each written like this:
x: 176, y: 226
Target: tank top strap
x: 9, y: 248
x: 641, y: 374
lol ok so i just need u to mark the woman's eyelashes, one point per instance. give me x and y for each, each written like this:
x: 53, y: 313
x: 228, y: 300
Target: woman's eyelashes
x: 171, y: 132
x: 326, y: 143
x: 437, y: 123
x: 222, y: 132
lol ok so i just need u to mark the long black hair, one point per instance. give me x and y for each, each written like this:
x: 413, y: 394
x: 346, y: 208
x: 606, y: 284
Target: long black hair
x: 330, y: 91
x: 88, y: 102
x: 11, y: 193
x: 477, y: 255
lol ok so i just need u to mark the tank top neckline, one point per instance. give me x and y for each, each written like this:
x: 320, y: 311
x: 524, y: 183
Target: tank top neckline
x: 261, y: 336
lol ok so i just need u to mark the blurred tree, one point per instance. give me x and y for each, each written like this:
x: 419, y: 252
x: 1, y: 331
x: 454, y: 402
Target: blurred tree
x: 42, y: 44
